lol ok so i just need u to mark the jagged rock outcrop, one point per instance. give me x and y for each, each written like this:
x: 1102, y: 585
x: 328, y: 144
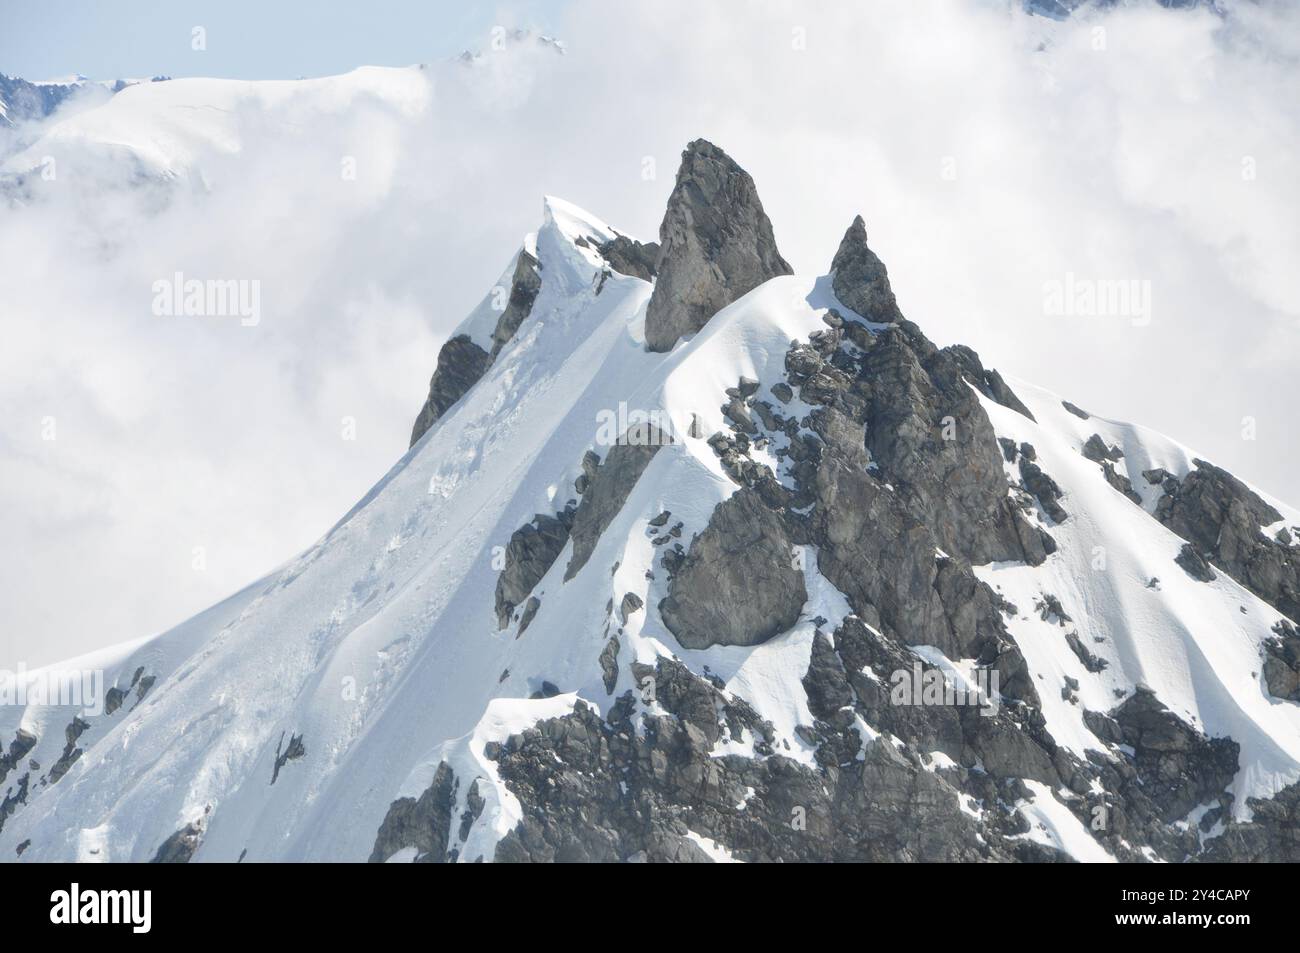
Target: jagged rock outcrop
x: 1282, y: 662
x: 1177, y: 766
x: 423, y: 823
x: 986, y: 380
x: 525, y: 285
x: 1222, y: 518
x: 283, y: 755
x: 181, y: 846
x: 462, y: 363
x: 860, y: 280
x: 1194, y: 564
x: 630, y: 257
x: 738, y: 584
x: 24, y: 741
x: 1096, y: 450
x: 532, y: 549
x: 1271, y: 836
x: 608, y: 489
x: 716, y: 244
x: 597, y: 789
x: 1043, y: 488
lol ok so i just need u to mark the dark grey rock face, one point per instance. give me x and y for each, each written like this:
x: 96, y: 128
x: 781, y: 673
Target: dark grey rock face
x: 630, y: 257
x: 180, y: 847
x: 631, y: 603
x: 609, y: 664
x: 716, y: 244
x: 933, y: 442
x: 1177, y: 766
x: 71, y: 753
x: 1095, y: 449
x: 1272, y: 836
x: 1119, y: 482
x: 861, y: 281
x: 461, y: 362
x: 291, y: 752
x: 608, y: 490
x: 606, y: 790
x: 1193, y: 564
x: 988, y: 381
x: 1282, y: 662
x: 1221, y: 517
x: 1044, y: 488
x: 24, y: 741
x: 423, y: 823
x: 738, y: 585
x: 529, y: 555
x: 525, y: 285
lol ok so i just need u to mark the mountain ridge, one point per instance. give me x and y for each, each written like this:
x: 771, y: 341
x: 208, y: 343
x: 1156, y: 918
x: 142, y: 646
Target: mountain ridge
x: 456, y: 688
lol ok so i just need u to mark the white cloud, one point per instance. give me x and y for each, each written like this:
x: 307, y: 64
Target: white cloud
x: 1122, y: 162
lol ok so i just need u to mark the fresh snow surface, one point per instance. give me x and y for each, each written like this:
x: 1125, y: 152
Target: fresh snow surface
x: 380, y: 647
x: 169, y: 128
x: 1191, y: 642
x: 1052, y: 824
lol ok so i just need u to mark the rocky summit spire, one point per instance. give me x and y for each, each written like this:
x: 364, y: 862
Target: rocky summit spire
x: 861, y: 282
x: 716, y: 245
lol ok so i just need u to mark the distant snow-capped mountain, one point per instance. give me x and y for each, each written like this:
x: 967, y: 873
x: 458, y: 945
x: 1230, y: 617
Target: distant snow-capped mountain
x: 24, y: 101
x: 693, y: 558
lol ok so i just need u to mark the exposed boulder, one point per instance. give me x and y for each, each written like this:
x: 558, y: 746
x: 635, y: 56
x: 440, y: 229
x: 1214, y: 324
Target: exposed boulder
x: 986, y: 380
x: 529, y: 614
x: 1194, y: 564
x: 609, y: 664
x: 738, y: 584
x: 461, y: 362
x: 181, y: 846
x: 631, y: 603
x: 630, y: 257
x: 1282, y: 662
x: 1044, y: 488
x: 609, y: 487
x: 826, y: 682
x: 1223, y: 519
x: 423, y: 823
x: 292, y: 752
x: 716, y: 244
x: 860, y: 280
x: 24, y: 741
x: 1119, y: 482
x: 532, y: 549
x: 1177, y: 766
x: 1095, y: 449
x: 524, y: 287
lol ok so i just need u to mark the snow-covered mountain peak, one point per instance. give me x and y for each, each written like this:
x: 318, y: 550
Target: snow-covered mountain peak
x: 695, y: 558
